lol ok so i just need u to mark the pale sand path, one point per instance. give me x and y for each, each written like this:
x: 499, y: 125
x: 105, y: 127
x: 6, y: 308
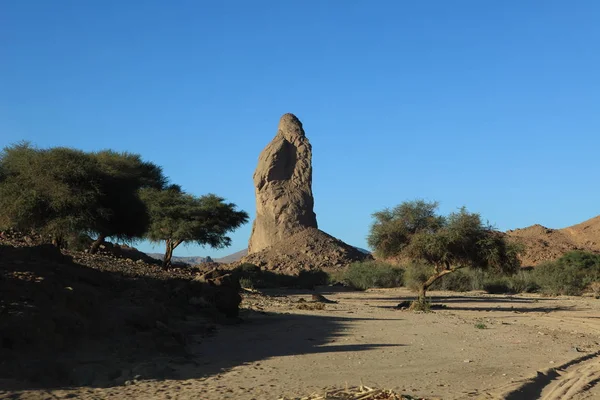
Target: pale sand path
x: 363, y: 339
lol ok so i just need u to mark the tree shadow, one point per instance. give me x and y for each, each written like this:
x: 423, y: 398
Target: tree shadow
x: 473, y: 303
x: 63, y: 324
x: 266, y: 336
x: 469, y: 299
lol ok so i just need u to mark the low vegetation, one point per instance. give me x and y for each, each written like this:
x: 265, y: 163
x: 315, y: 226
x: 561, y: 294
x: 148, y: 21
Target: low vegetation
x: 442, y: 244
x: 572, y: 274
x: 575, y: 273
x: 252, y: 277
x: 372, y: 274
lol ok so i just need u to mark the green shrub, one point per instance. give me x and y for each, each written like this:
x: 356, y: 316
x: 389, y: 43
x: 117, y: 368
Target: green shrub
x: 594, y: 289
x: 371, y: 274
x: 523, y: 282
x: 569, y: 275
x: 312, y: 278
x: 251, y: 276
x: 416, y: 274
x: 459, y: 281
x: 247, y: 283
x: 497, y: 285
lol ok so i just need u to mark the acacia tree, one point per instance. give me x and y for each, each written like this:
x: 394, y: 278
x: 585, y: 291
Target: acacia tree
x: 177, y: 217
x: 53, y: 191
x: 461, y: 240
x: 123, y: 176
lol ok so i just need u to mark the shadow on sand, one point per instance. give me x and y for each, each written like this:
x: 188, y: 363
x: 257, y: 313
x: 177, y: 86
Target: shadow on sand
x: 63, y: 324
x: 508, y: 303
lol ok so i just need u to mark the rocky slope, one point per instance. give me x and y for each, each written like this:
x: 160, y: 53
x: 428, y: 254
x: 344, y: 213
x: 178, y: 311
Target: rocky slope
x: 545, y: 244
x: 308, y: 249
x: 70, y: 318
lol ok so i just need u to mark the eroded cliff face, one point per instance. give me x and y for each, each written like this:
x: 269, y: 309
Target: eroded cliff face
x: 283, y: 187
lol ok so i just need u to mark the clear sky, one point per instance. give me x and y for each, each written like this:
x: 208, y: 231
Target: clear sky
x: 494, y: 105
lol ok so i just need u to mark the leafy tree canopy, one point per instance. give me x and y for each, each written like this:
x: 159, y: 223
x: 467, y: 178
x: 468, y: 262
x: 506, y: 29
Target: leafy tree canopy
x: 54, y: 191
x: 414, y: 230
x: 64, y: 192
x: 178, y: 217
x: 123, y: 175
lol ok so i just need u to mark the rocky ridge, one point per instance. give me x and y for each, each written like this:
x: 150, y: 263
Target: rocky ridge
x: 545, y: 244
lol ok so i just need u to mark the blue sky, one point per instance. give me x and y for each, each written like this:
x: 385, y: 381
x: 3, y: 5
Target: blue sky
x: 489, y: 104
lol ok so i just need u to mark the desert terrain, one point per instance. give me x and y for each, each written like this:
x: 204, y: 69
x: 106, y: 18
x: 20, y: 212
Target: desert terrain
x: 475, y: 346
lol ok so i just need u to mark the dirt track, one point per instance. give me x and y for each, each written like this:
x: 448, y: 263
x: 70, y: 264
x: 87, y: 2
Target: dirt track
x: 281, y: 350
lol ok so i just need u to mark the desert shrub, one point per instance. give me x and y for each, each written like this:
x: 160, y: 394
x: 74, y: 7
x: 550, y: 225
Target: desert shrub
x: 523, y: 282
x: 312, y: 278
x: 459, y: 281
x: 497, y: 285
x: 594, y: 288
x: 371, y: 274
x: 569, y: 275
x: 247, y: 283
x: 337, y: 277
x: 251, y: 276
x: 415, y: 274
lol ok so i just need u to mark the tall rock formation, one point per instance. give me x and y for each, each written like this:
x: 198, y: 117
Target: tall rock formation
x: 283, y: 187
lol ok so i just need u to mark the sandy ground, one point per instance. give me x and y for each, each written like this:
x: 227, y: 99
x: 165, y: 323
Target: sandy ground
x: 479, y: 347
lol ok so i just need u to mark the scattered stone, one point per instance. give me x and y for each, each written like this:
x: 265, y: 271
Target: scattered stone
x: 319, y: 298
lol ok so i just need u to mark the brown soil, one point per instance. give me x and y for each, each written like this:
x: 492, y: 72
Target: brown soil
x: 70, y: 318
x: 545, y: 244
x: 307, y: 250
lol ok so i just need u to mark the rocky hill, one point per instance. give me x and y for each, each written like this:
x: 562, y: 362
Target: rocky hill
x: 308, y: 249
x: 71, y: 318
x: 546, y: 244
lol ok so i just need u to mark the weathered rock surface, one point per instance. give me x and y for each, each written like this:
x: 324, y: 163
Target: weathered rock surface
x: 308, y: 249
x: 283, y: 186
x: 545, y: 244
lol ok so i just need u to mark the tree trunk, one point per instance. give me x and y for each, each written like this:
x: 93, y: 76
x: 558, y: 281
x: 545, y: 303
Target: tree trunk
x: 168, y: 255
x: 431, y: 281
x: 171, y: 244
x: 97, y: 243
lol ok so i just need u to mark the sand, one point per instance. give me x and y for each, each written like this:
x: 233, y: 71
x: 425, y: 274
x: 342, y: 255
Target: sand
x: 479, y: 347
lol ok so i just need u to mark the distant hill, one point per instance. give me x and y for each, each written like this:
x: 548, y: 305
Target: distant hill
x: 194, y: 260
x: 546, y: 244
x: 237, y: 256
